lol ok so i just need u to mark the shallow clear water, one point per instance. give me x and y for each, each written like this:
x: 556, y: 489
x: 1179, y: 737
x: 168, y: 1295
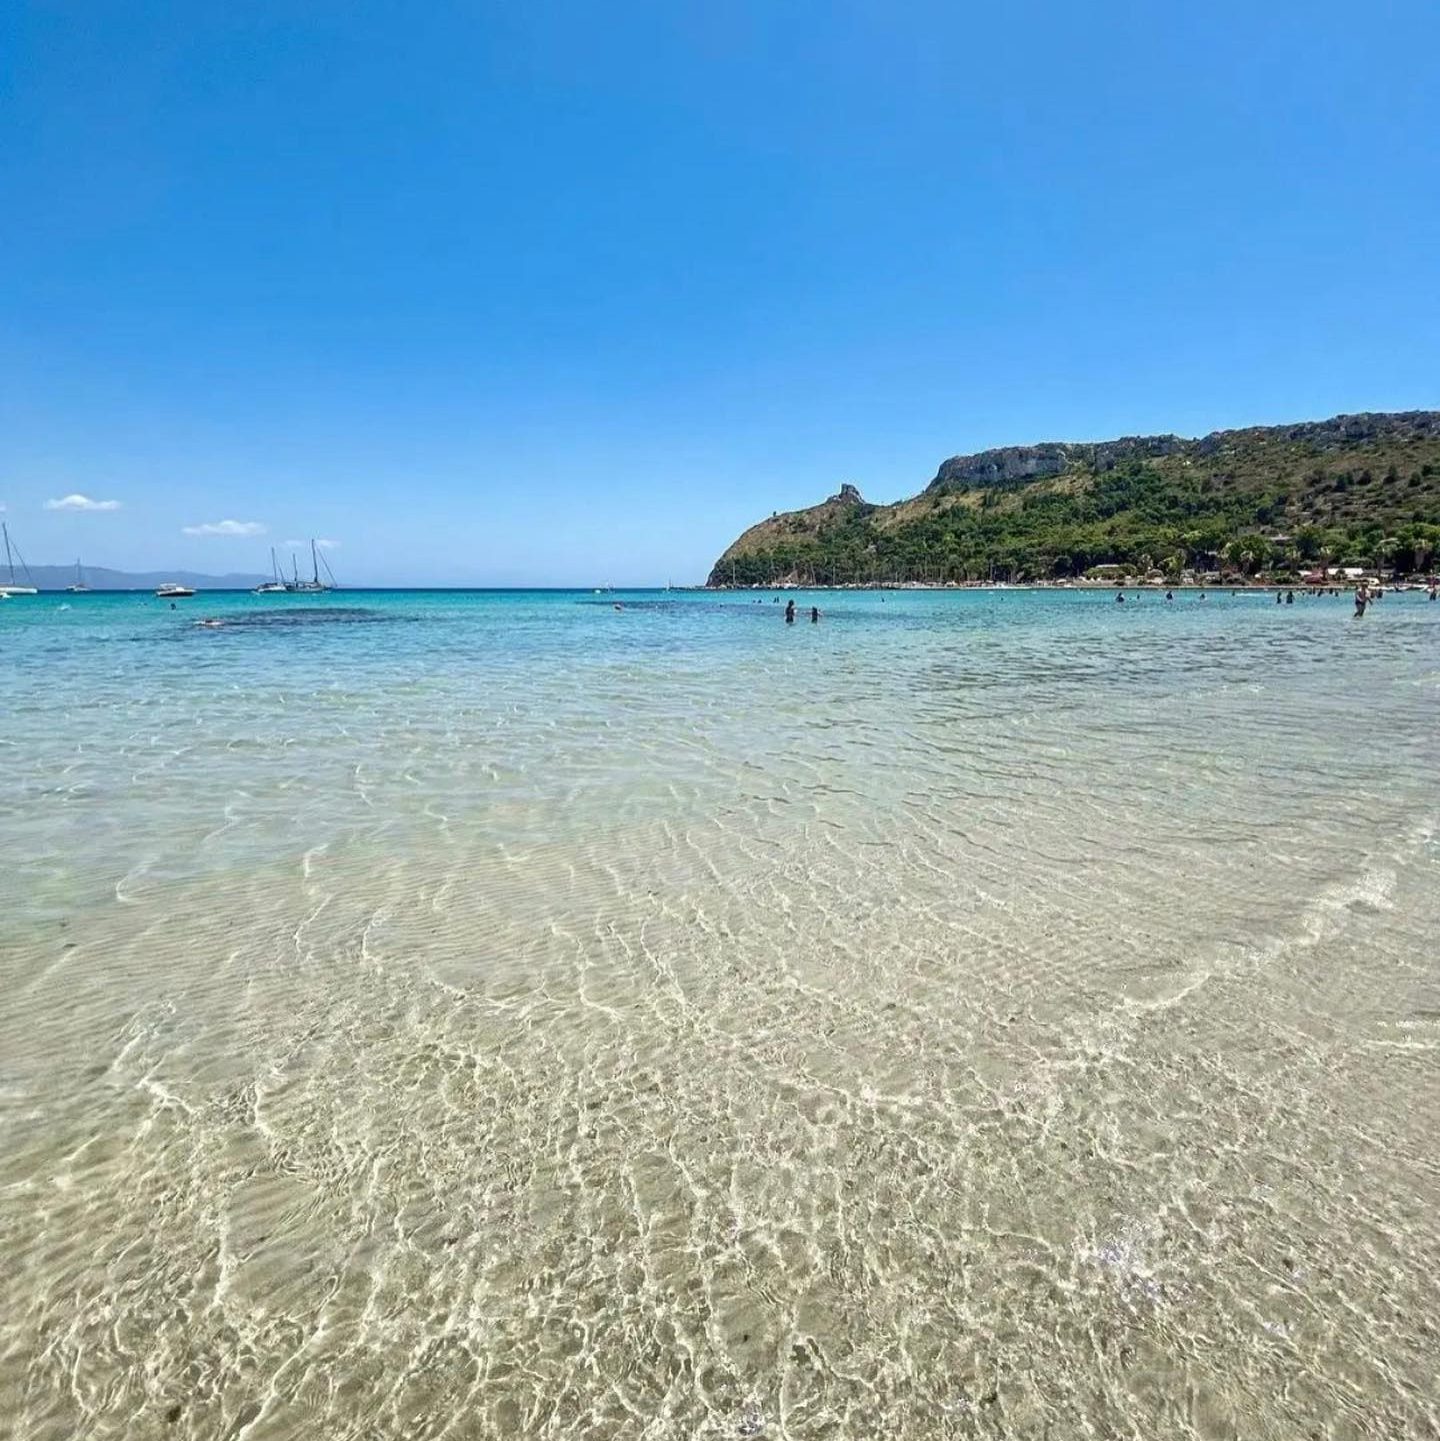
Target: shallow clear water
x: 502, y: 1015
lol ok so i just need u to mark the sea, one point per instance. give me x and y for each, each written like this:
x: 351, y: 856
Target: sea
x: 626, y: 1015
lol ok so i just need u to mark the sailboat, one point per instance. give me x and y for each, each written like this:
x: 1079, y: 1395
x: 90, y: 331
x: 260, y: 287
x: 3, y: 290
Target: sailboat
x: 79, y: 587
x: 275, y: 586
x: 314, y: 583
x: 280, y: 585
x: 12, y: 554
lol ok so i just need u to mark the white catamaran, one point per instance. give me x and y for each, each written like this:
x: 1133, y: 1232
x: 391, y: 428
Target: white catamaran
x: 12, y: 554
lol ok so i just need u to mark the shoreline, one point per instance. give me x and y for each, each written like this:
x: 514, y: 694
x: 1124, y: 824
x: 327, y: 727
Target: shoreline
x: 1090, y: 585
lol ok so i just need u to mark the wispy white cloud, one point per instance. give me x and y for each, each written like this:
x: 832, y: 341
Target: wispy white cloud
x: 226, y: 527
x: 321, y: 544
x: 81, y: 502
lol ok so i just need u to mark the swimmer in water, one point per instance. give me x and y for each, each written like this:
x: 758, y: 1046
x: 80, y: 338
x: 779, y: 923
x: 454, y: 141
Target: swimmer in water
x: 1169, y: 595
x: 1120, y: 597
x: 789, y: 612
x: 814, y: 615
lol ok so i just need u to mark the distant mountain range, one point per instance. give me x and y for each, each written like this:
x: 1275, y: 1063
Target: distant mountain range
x: 1356, y: 489
x: 97, y: 577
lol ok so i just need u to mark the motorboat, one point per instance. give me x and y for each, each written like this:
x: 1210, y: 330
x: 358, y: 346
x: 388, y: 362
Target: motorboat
x: 171, y: 590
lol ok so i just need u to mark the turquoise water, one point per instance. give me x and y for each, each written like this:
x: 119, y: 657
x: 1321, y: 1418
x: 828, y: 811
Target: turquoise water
x: 480, y: 1014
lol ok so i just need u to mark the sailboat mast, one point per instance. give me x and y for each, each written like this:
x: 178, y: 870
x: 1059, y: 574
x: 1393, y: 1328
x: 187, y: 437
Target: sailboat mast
x: 295, y: 567
x: 9, y: 559
x: 274, y: 566
x: 315, y: 562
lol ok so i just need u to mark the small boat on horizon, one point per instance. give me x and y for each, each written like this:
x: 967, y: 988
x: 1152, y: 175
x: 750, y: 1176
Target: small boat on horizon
x: 295, y: 586
x: 12, y: 553
x: 275, y: 586
x: 315, y: 583
x: 170, y: 590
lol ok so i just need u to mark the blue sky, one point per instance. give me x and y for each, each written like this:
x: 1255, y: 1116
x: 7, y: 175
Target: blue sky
x: 561, y: 292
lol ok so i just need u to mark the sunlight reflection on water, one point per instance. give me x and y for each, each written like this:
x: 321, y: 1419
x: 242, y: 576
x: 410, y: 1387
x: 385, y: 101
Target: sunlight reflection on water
x: 459, y: 1014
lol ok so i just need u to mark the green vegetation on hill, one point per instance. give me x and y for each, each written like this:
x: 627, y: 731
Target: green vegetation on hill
x: 1356, y: 490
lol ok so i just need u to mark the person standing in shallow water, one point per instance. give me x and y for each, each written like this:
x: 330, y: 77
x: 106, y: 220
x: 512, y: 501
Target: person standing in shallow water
x: 789, y: 612
x: 814, y: 615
